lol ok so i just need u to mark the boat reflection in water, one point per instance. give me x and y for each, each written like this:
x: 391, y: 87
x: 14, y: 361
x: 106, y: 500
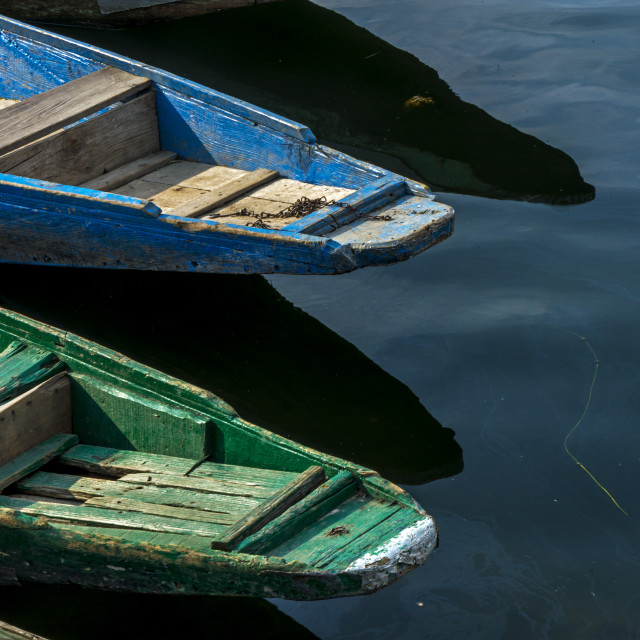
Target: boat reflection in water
x: 236, y: 336
x: 357, y: 93
x: 73, y: 613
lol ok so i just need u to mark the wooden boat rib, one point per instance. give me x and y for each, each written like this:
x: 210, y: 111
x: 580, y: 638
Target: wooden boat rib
x: 125, y: 166
x: 116, y: 476
x: 114, y: 13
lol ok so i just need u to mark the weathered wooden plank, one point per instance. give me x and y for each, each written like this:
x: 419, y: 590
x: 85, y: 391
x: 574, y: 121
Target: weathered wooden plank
x: 373, y: 539
x: 106, y: 415
x: 40, y: 115
x: 92, y: 147
x: 246, y: 489
x: 225, y: 193
x: 23, y: 366
x: 270, y: 509
x: 318, y: 503
x: 9, y: 632
x: 228, y: 508
x: 131, y: 171
x: 33, y: 459
x: 195, y: 175
x: 108, y: 517
x: 116, y: 462
x: 35, y: 416
x: 38, y: 195
x: 155, y: 509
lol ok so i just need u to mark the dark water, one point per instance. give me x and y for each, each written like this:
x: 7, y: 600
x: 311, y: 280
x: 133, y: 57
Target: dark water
x: 481, y: 334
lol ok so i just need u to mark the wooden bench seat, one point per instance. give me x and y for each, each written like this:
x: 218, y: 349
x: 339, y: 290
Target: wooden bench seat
x: 81, y: 129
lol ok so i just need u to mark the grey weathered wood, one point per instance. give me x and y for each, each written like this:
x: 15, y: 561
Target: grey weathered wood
x: 131, y: 171
x: 86, y: 515
x: 227, y: 508
x: 246, y: 488
x: 40, y: 115
x: 118, y: 462
x: 150, y: 508
x: 34, y: 416
x: 225, y: 193
x: 35, y: 458
x: 97, y: 145
x: 306, y: 482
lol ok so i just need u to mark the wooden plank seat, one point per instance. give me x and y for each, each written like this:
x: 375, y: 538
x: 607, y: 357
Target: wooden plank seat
x: 81, y: 129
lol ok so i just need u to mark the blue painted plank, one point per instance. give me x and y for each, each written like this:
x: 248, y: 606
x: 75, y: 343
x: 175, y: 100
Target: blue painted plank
x: 29, y: 192
x: 72, y: 239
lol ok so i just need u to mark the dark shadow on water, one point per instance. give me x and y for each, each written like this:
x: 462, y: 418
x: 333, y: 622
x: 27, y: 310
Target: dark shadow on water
x: 238, y: 337
x: 356, y: 92
x: 72, y: 613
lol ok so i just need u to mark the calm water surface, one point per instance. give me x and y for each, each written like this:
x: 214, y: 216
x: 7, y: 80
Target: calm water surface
x: 487, y: 331
x: 483, y: 329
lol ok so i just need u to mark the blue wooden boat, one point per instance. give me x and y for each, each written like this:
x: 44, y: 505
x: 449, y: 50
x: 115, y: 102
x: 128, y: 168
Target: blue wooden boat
x: 109, y: 163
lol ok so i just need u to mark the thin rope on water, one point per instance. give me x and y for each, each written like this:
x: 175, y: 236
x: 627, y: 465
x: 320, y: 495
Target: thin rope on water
x: 584, y: 413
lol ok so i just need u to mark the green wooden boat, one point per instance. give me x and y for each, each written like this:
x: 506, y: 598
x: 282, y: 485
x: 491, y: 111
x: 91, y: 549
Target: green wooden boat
x: 114, y: 475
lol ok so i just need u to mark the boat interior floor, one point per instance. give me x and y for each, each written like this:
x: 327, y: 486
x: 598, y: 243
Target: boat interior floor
x: 100, y: 131
x: 55, y: 464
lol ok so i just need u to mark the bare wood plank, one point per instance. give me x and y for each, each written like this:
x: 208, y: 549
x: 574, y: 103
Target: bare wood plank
x: 306, y: 482
x: 35, y: 458
x: 40, y: 115
x: 35, y: 416
x: 226, y: 508
x: 118, y: 462
x: 245, y: 489
x: 100, y: 144
x: 150, y: 508
x: 93, y: 516
x: 225, y: 193
x: 131, y: 171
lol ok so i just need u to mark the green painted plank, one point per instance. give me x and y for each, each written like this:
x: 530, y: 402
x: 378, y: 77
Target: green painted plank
x: 369, y: 541
x: 23, y: 367
x: 35, y: 458
x: 117, y: 462
x: 318, y: 503
x: 201, y: 485
x: 108, y: 517
x: 227, y: 508
x: 105, y: 415
x: 322, y: 541
x: 271, y: 508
